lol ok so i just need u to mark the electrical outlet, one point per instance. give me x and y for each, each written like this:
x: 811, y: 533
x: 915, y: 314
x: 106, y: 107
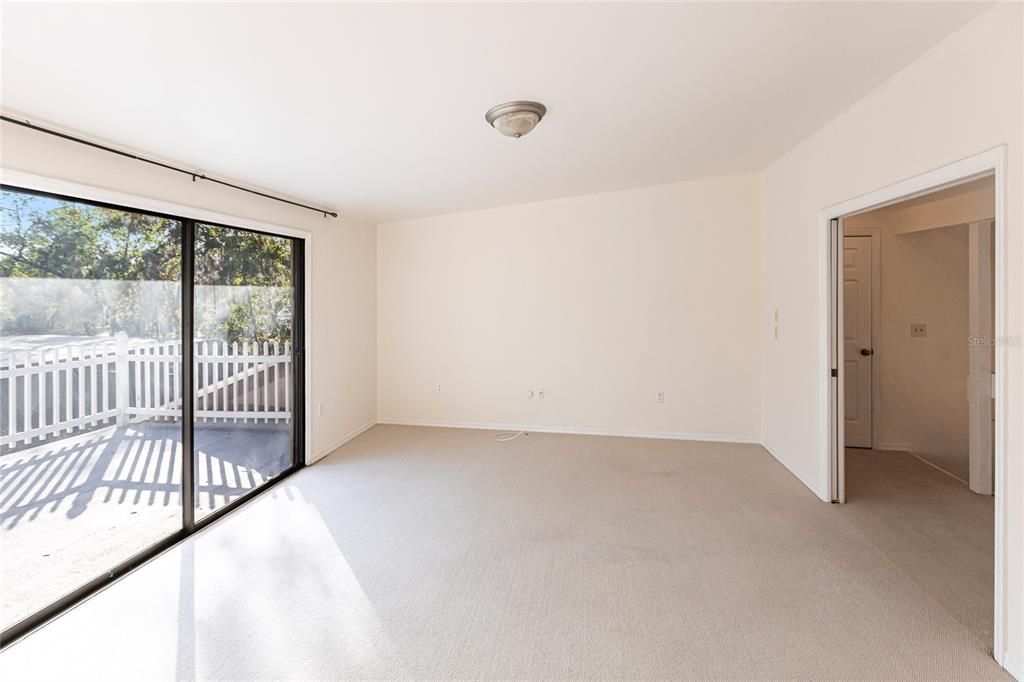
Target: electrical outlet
x: 529, y: 394
x: 439, y: 388
x: 918, y: 329
x: 659, y: 397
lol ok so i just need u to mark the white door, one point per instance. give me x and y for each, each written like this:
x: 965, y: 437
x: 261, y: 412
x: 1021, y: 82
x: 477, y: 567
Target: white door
x: 858, y: 354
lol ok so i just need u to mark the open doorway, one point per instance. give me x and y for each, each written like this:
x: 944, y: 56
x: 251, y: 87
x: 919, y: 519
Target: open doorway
x: 915, y: 279
x: 918, y: 337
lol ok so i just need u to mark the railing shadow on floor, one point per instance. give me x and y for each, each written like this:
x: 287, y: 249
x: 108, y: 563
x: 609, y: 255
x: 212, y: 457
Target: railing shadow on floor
x: 144, y: 459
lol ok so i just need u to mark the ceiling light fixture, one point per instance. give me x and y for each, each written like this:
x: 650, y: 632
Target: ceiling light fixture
x: 516, y: 119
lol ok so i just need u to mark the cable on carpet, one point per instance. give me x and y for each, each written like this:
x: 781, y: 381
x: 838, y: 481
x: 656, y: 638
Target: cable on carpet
x: 506, y: 436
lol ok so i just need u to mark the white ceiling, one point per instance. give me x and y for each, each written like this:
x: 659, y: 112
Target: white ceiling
x: 378, y: 110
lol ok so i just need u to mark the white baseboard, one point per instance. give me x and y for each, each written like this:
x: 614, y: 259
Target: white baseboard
x: 341, y: 441
x: 577, y: 431
x: 1010, y: 665
x: 896, y: 447
x: 822, y: 492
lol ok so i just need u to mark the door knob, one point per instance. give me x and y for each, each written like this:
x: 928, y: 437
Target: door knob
x: 866, y: 351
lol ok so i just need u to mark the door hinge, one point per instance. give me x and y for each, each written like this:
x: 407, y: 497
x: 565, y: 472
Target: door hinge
x: 835, y: 372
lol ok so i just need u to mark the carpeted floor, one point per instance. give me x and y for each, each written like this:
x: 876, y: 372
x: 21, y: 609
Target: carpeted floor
x: 957, y: 464
x: 931, y: 527
x: 70, y: 508
x: 439, y: 553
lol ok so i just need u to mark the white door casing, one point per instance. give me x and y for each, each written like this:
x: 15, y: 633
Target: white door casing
x: 989, y: 162
x: 857, y: 349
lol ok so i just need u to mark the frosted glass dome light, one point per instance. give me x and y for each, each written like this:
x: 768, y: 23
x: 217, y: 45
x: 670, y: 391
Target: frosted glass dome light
x: 516, y: 119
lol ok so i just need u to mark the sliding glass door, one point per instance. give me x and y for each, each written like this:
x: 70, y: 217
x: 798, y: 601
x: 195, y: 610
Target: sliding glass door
x: 244, y: 391
x: 111, y: 448
x: 90, y: 471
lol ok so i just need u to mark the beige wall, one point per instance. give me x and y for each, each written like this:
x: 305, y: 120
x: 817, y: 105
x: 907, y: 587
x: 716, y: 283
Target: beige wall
x: 343, y: 334
x: 602, y: 300
x: 960, y: 98
x: 971, y: 201
x: 924, y: 380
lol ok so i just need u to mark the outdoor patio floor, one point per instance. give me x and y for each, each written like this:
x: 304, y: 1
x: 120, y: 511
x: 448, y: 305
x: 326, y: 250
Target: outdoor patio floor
x: 71, y: 509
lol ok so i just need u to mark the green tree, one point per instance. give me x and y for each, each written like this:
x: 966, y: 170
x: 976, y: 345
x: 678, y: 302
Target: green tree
x: 46, y: 238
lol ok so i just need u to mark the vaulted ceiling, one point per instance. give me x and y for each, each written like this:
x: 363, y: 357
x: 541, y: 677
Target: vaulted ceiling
x: 378, y: 110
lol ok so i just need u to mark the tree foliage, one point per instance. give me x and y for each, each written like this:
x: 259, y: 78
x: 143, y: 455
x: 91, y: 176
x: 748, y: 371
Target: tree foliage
x: 243, y: 279
x: 41, y: 237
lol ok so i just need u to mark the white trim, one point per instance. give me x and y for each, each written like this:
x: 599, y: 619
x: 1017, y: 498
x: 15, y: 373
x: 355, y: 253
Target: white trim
x: 979, y: 364
x: 875, y: 233
x: 1010, y: 665
x: 573, y: 430
x: 832, y: 394
x: 307, y: 338
x: 341, y: 441
x: 992, y: 161
x: 956, y: 173
x: 895, y: 447
x: 42, y: 183
x: 935, y: 466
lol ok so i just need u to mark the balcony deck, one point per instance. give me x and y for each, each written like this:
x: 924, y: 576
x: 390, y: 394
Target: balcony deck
x: 71, y: 508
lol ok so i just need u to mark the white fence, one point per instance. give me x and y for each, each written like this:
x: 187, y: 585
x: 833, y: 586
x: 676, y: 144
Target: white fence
x: 79, y: 387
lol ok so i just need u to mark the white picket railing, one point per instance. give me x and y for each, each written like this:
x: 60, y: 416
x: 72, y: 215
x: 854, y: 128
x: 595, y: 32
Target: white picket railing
x: 79, y: 387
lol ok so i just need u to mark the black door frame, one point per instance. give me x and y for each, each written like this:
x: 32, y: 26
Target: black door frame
x: 189, y: 525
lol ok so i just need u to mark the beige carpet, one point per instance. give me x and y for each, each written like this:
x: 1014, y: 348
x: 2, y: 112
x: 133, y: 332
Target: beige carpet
x: 930, y: 526
x: 958, y: 464
x: 434, y: 553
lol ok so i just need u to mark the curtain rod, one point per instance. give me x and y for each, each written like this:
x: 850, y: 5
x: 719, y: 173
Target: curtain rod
x: 193, y: 174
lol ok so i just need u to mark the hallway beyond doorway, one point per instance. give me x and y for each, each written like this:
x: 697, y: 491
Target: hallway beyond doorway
x: 930, y: 526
